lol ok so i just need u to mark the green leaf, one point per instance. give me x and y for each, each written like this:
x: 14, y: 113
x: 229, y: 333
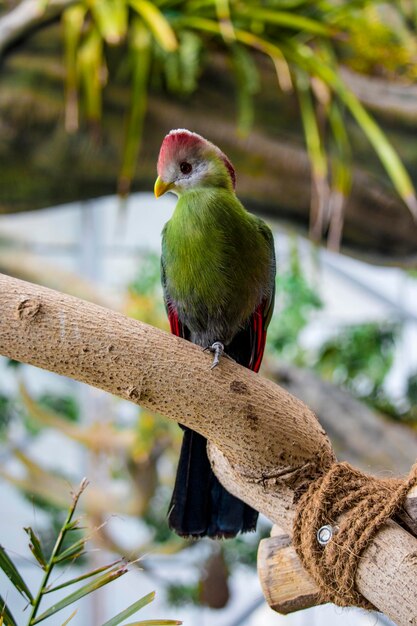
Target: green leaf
x: 247, y: 78
x: 246, y: 38
x: 78, y: 579
x: 311, y: 129
x: 157, y: 23
x: 73, y: 22
x: 141, y: 58
x: 100, y: 581
x: 90, y: 65
x: 111, y: 19
x: 224, y: 19
x: 5, y: 614
x: 342, y: 177
x: 35, y: 547
x: 189, y: 54
x: 287, y: 20
x: 8, y: 567
x: 133, y: 608
x: 317, y: 156
x: 75, y: 548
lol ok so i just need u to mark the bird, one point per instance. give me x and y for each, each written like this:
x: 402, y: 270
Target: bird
x: 218, y: 279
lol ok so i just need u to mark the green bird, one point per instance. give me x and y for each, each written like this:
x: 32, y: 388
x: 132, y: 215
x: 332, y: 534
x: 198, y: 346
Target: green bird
x: 218, y: 278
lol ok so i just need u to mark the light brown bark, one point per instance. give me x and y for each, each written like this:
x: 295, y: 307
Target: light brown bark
x: 262, y: 438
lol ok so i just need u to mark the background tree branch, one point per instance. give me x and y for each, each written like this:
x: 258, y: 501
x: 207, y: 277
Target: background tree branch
x: 359, y: 434
x: 26, y: 16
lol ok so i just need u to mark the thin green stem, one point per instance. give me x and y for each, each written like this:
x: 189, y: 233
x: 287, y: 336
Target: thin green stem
x: 51, y: 562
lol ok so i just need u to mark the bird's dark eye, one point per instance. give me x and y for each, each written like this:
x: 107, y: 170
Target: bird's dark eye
x: 185, y: 167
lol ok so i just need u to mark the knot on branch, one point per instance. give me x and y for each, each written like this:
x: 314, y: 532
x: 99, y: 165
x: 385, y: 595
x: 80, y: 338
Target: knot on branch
x: 28, y: 309
x: 366, y: 503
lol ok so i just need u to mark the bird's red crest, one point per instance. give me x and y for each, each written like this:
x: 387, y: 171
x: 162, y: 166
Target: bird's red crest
x: 180, y: 139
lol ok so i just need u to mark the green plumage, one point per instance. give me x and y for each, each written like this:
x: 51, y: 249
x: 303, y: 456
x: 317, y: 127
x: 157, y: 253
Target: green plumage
x: 217, y: 260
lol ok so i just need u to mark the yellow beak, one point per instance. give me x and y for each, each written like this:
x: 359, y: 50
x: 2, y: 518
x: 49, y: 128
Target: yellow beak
x: 161, y: 187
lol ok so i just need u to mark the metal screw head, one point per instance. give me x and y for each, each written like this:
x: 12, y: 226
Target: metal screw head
x: 324, y: 534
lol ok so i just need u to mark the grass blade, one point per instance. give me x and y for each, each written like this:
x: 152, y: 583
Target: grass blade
x: 6, y: 617
x: 133, y: 608
x: 9, y: 568
x: 157, y: 23
x: 94, y: 572
x: 80, y: 593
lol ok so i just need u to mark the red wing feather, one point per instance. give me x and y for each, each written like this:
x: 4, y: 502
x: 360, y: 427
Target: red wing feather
x: 258, y: 328
x: 174, y: 323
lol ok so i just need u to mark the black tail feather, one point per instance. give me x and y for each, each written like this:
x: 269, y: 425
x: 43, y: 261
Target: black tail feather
x: 200, y: 505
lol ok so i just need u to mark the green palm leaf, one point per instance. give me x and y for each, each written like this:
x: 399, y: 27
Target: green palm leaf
x: 157, y: 23
x: 8, y: 567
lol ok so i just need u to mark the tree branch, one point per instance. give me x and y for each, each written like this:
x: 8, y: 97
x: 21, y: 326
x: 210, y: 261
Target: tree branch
x: 263, y: 440
x: 26, y: 16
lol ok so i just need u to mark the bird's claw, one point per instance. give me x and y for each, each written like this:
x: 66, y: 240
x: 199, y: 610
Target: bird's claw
x: 217, y: 348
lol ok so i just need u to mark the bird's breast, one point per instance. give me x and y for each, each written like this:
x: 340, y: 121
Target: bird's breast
x: 215, y: 266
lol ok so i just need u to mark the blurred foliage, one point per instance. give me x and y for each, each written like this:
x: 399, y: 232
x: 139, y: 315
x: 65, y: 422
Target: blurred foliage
x: 66, y: 406
x: 390, y: 48
x: 144, y: 297
x: 358, y: 357
x: 181, y: 594
x: 167, y: 44
x: 296, y: 301
x: 6, y: 414
x: 147, y: 281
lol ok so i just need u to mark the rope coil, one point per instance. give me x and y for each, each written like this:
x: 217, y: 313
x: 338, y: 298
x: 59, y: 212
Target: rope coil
x: 358, y: 505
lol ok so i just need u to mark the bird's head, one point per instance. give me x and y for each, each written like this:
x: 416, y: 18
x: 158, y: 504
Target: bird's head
x: 188, y: 161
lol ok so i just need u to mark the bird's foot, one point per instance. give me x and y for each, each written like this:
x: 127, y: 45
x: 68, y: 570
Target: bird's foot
x: 217, y: 348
